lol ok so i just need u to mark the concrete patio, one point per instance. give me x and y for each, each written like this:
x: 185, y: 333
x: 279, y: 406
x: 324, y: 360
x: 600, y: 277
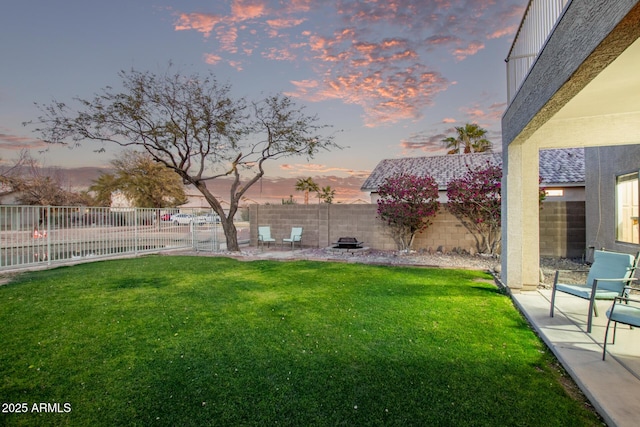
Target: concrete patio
x: 613, y: 385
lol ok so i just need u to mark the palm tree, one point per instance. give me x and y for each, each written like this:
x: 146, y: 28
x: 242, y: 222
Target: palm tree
x: 470, y: 139
x: 306, y: 185
x: 326, y: 194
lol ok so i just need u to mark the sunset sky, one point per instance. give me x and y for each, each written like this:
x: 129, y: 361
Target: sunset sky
x: 394, y: 76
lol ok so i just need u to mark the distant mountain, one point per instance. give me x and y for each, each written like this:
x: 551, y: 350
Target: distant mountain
x: 268, y: 190
x: 79, y: 178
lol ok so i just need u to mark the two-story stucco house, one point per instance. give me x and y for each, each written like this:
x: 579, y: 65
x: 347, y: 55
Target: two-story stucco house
x: 573, y: 81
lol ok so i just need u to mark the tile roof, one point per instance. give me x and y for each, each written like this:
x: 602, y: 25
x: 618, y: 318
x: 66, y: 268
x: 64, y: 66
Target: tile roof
x: 557, y: 166
x: 562, y: 166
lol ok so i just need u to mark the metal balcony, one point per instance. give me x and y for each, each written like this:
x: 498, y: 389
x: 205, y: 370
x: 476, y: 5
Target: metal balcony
x: 539, y: 20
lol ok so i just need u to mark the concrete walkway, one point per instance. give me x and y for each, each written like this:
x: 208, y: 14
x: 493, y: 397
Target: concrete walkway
x: 613, y: 385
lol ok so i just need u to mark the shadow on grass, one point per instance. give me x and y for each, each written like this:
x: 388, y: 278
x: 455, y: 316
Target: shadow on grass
x: 255, y: 386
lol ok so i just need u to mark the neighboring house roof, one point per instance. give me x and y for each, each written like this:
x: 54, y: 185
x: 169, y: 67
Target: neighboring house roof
x: 562, y: 166
x: 557, y: 166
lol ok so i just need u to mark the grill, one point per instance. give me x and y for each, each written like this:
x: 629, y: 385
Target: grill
x: 348, y: 243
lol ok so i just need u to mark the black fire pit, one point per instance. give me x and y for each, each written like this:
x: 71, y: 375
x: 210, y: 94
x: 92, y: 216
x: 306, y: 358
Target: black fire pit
x: 348, y: 243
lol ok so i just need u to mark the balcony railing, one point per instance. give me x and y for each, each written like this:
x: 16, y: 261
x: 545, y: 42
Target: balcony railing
x: 538, y: 22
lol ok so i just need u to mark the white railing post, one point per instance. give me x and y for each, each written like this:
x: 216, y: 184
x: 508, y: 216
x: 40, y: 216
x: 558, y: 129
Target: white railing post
x: 539, y: 20
x: 135, y: 231
x: 48, y: 236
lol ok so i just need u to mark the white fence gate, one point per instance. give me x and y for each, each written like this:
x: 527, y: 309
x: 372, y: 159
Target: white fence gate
x: 43, y: 235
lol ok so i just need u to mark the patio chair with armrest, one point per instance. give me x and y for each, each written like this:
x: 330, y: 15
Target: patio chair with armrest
x: 625, y: 310
x: 296, y: 236
x: 607, y: 278
x: 264, y: 235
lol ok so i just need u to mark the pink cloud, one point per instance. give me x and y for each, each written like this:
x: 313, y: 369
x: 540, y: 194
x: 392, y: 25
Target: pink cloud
x: 471, y: 49
x: 10, y: 141
x: 313, y: 168
x: 512, y: 13
x: 201, y: 22
x: 487, y: 115
x: 501, y: 32
x: 279, y: 54
x: 281, y: 23
x: 427, y: 143
x: 236, y: 64
x: 300, y: 5
x: 247, y: 9
x: 227, y: 36
x: 387, y: 94
x: 390, y: 78
x: 441, y: 40
x: 474, y: 113
x: 212, y: 59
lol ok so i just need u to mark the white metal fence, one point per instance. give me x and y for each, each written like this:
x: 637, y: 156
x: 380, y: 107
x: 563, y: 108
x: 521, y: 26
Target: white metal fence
x: 538, y: 22
x: 44, y: 235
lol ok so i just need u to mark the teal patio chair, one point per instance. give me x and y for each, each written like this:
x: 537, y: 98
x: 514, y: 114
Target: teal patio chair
x: 607, y: 278
x: 625, y: 310
x: 296, y: 236
x: 264, y: 236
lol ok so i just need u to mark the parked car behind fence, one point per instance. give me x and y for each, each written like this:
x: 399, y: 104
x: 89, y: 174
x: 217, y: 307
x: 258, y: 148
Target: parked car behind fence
x: 182, y: 218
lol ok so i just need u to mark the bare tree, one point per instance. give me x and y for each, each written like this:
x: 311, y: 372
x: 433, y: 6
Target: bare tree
x: 45, y: 186
x: 11, y: 178
x: 191, y: 125
x: 34, y: 185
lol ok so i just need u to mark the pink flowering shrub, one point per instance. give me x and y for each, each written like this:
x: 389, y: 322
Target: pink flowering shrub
x: 406, y: 204
x: 475, y: 200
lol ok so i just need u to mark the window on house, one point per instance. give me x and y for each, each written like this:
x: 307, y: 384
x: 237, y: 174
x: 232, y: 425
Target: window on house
x: 627, y: 213
x: 554, y: 192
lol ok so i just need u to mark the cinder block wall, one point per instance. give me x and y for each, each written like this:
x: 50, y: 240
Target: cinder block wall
x: 445, y: 233
x: 562, y: 229
x: 322, y: 224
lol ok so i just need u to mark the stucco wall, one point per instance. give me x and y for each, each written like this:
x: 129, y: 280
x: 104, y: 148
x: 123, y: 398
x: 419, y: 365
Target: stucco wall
x: 582, y: 29
x: 602, y: 166
x: 562, y: 227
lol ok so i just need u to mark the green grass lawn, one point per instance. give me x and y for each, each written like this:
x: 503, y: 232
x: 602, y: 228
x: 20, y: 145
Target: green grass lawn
x: 179, y: 341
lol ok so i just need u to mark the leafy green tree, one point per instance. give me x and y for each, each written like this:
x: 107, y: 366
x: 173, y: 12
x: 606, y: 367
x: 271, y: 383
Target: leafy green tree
x: 470, y: 138
x: 307, y: 185
x: 406, y: 204
x: 327, y: 194
x: 147, y: 183
x: 103, y: 188
x: 191, y: 125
